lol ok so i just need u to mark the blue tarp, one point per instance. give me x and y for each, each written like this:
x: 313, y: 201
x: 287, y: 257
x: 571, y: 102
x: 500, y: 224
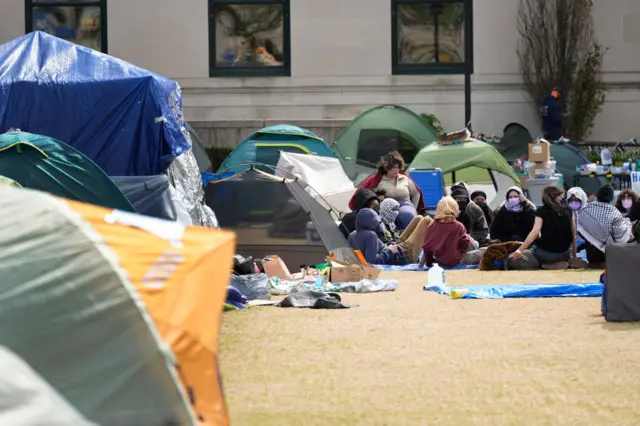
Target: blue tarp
x: 524, y: 290
x: 415, y: 268
x: 127, y: 120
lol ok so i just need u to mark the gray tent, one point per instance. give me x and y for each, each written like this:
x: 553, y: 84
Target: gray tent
x: 276, y: 213
x: 28, y: 400
x: 69, y: 310
x: 202, y: 158
x: 154, y: 196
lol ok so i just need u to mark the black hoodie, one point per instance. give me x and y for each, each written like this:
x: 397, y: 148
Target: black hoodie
x: 362, y: 198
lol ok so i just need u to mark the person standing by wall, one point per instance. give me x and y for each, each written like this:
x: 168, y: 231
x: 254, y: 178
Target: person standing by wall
x: 552, y: 119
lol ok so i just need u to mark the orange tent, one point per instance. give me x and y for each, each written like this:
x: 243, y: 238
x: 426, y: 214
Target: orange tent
x: 180, y: 274
x: 182, y: 278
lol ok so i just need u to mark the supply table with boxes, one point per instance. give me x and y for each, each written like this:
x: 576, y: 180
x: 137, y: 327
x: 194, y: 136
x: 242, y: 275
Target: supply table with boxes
x: 542, y: 171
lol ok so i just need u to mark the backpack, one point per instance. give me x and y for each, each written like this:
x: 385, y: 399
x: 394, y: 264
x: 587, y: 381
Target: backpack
x: 635, y: 230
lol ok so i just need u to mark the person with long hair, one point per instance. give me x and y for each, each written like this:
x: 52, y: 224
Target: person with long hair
x: 447, y: 241
x: 514, y: 218
x: 554, y: 232
x: 626, y: 199
x: 373, y: 182
x: 399, y: 187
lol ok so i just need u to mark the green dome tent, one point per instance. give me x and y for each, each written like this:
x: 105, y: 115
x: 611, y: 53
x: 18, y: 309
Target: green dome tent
x: 381, y: 129
x: 477, y: 163
x: 45, y: 164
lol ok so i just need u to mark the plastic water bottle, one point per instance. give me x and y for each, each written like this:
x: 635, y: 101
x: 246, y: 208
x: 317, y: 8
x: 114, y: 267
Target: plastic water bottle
x: 436, y: 277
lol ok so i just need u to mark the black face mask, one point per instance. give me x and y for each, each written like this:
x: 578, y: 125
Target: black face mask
x: 462, y: 205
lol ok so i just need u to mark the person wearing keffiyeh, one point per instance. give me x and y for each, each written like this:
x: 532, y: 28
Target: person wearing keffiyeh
x: 600, y: 224
x: 412, y: 238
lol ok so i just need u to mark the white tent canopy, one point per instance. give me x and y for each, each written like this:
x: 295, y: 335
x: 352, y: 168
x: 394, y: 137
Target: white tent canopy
x: 324, y: 174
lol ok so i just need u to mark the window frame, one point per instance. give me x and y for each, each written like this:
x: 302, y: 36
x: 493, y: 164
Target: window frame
x: 433, y: 68
x: 280, y: 71
x: 29, y: 5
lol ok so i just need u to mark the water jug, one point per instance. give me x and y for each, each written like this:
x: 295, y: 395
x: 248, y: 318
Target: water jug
x: 436, y: 277
x: 605, y: 156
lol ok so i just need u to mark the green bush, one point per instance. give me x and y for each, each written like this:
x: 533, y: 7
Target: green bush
x: 217, y: 155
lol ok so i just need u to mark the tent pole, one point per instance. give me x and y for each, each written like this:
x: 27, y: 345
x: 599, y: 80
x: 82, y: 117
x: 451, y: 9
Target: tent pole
x: 467, y: 99
x: 493, y: 179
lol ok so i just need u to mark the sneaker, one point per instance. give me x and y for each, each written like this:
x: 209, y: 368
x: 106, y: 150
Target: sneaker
x: 555, y: 266
x: 578, y: 264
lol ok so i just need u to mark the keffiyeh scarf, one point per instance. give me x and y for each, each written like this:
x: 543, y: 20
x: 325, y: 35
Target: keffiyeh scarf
x: 389, y: 210
x: 602, y: 224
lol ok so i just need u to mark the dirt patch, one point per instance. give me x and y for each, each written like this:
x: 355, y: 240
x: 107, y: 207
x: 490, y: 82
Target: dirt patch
x: 415, y: 357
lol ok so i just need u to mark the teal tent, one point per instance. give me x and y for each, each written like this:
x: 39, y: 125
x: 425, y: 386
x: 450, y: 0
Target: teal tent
x: 39, y: 162
x: 264, y: 146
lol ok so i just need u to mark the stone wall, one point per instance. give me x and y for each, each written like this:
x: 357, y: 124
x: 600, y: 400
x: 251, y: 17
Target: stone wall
x: 230, y: 133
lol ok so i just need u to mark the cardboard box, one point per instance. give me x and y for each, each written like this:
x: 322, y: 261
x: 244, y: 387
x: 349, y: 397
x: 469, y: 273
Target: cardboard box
x: 274, y: 266
x: 540, y: 151
x: 353, y: 273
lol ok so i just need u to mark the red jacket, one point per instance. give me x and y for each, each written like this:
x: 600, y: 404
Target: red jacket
x: 374, y: 180
x: 447, y: 242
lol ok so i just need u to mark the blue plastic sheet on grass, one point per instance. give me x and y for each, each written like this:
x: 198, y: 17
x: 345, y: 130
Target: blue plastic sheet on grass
x: 524, y: 290
x: 414, y: 267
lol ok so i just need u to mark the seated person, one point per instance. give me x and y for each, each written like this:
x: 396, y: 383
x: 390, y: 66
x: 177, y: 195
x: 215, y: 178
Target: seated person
x: 514, y: 218
x: 577, y: 199
x: 479, y: 197
x: 601, y: 224
x: 447, y: 242
x: 365, y: 239
x: 554, y: 232
x: 488, y: 213
x: 625, y: 201
x: 363, y: 198
x: 375, y: 182
x: 470, y: 215
x: 412, y: 238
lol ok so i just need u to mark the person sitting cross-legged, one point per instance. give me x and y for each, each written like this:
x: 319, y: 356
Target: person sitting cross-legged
x: 447, y: 242
x: 601, y: 224
x: 514, y: 218
x: 411, y: 239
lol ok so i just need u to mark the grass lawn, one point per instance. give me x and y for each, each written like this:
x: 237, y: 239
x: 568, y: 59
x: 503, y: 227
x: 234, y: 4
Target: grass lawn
x: 413, y: 357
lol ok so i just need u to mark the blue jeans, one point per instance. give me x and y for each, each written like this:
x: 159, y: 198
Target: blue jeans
x: 544, y: 256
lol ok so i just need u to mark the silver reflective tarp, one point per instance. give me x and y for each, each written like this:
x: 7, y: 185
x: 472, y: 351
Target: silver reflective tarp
x: 187, y: 180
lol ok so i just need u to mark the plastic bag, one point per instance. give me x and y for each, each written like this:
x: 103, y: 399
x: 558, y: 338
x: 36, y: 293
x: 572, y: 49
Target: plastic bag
x: 254, y: 286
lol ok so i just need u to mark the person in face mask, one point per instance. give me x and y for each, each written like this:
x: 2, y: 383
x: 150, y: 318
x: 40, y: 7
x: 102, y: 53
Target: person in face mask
x: 577, y: 199
x: 471, y: 215
x: 625, y: 201
x: 554, y: 232
x: 411, y: 239
x: 515, y: 217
